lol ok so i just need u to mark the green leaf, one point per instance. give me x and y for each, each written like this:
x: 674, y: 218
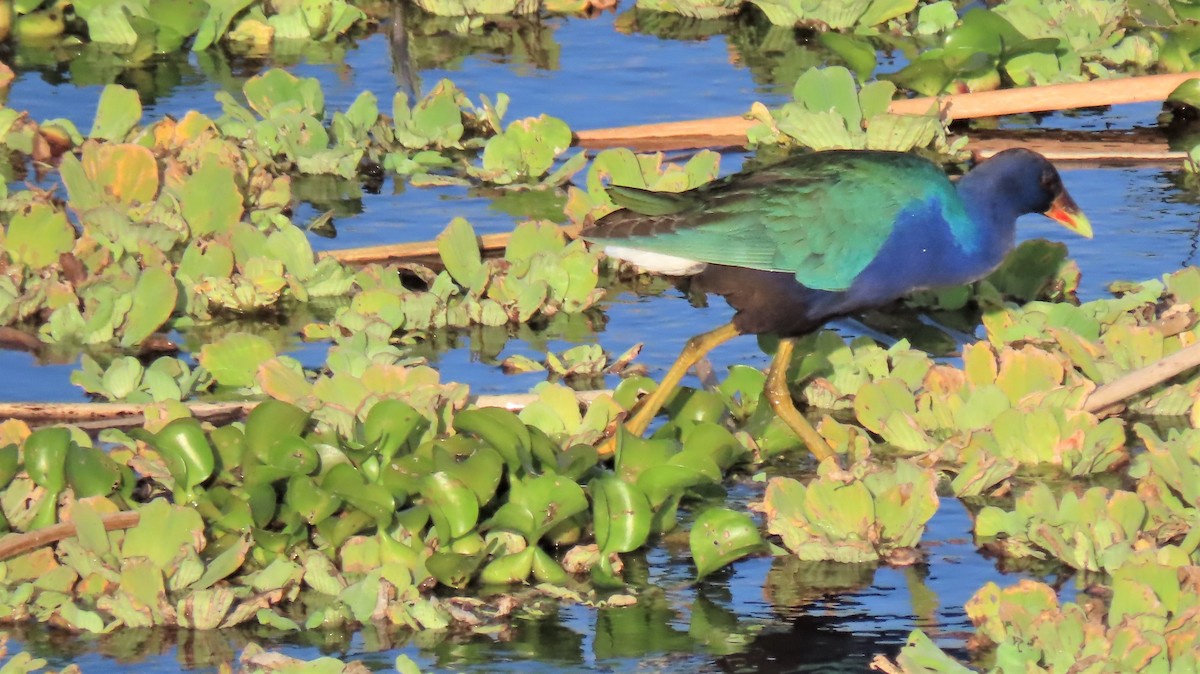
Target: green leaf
x: 45, y: 452
x: 234, y: 359
x: 720, y: 537
x: 216, y: 22
x: 621, y: 515
x: 936, y: 17
x: 224, y: 565
x: 452, y: 505
x: 117, y: 113
x: 163, y: 533
x: 509, y: 569
x: 276, y: 89
x: 38, y: 235
x: 89, y: 528
x: 90, y: 472
x: 211, y: 202
x: 830, y: 89
x: 154, y: 299
x: 500, y: 428
x: 459, y: 251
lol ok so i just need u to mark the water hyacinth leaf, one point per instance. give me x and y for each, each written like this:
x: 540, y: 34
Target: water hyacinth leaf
x: 224, y: 565
x: 453, y: 569
x: 390, y: 424
x: 234, y: 359
x: 90, y: 472
x: 720, y: 537
x: 309, y: 501
x: 546, y: 569
x: 553, y: 499
x: 509, y: 569
x: 118, y: 111
x: 347, y: 483
x: 10, y: 463
x: 715, y: 442
x: 154, y: 299
x: 38, y: 235
x: 927, y: 76
x: 501, y: 429
x: 452, y: 506
x: 184, y: 445
x: 270, y: 420
x: 621, y: 515
x: 635, y: 455
x: 695, y: 406
x: 481, y: 471
x: 292, y: 455
x: 661, y: 482
x: 45, y: 452
x: 576, y: 461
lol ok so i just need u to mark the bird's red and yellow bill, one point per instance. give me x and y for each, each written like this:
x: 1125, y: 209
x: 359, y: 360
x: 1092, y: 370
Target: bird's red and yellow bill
x: 1064, y: 211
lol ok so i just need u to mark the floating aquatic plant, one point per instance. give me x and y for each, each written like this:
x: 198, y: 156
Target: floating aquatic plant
x: 1143, y: 626
x: 864, y: 514
x: 830, y: 111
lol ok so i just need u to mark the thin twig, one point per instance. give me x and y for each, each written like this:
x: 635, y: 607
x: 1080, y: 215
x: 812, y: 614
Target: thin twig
x: 14, y: 545
x: 94, y: 417
x: 1144, y: 378
x: 48, y: 412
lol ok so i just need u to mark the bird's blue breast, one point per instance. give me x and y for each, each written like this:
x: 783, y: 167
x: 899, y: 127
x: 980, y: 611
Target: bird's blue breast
x: 933, y: 243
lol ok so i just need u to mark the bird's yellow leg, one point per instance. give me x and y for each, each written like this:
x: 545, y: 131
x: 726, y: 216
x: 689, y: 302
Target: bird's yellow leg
x: 780, y: 398
x: 696, y: 349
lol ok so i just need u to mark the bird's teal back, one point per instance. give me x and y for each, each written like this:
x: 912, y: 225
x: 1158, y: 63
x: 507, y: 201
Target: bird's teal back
x: 823, y: 217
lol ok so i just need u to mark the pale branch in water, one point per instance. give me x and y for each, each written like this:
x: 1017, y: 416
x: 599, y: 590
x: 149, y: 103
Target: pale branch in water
x: 1139, y: 380
x: 94, y: 417
x: 727, y: 131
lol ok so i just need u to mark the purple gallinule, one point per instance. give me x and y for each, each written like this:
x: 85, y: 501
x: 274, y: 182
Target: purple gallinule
x: 825, y: 234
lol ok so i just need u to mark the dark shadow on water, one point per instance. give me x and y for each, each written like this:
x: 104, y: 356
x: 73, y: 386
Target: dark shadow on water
x: 815, y: 643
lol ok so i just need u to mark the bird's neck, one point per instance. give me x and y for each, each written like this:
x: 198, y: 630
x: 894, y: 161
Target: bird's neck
x: 993, y: 212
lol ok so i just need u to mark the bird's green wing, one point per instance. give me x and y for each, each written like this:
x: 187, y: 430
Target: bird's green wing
x: 823, y: 216
x: 647, y: 202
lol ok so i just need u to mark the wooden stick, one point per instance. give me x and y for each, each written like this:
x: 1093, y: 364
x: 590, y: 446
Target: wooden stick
x: 1134, y: 149
x: 98, y: 416
x: 406, y: 251
x: 48, y: 412
x: 15, y: 545
x: 1144, y: 378
x: 728, y: 131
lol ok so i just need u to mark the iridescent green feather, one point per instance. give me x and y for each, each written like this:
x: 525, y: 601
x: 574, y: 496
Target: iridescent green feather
x: 822, y: 216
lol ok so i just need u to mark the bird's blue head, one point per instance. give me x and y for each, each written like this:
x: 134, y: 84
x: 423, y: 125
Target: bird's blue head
x: 1019, y: 181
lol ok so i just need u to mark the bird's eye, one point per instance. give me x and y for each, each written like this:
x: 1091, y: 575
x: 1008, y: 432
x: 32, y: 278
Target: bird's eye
x: 1051, y: 182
